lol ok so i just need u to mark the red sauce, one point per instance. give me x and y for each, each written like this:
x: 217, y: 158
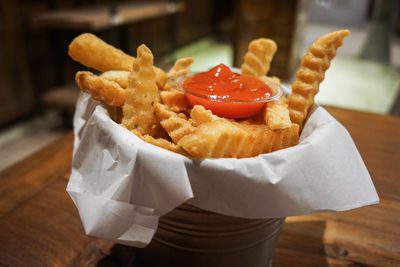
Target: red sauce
x: 221, y: 84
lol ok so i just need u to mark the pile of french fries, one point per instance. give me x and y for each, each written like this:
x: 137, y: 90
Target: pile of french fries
x: 156, y: 112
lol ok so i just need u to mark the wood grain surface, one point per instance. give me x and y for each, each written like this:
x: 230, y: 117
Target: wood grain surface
x: 40, y: 226
x: 96, y: 18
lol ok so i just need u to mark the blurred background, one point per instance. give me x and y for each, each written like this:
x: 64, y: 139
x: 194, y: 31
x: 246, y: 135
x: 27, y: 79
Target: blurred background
x: 37, y: 90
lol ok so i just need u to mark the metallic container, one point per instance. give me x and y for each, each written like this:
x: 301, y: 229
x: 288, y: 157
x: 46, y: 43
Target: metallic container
x: 189, y: 236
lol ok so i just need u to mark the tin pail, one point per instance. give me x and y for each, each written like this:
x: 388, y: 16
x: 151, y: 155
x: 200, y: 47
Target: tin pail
x: 189, y: 236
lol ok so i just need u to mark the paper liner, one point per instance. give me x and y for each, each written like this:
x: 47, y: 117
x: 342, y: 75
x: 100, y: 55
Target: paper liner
x: 121, y: 184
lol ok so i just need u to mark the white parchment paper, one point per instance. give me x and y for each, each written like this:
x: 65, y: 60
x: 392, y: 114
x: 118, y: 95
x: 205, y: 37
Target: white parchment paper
x: 121, y: 185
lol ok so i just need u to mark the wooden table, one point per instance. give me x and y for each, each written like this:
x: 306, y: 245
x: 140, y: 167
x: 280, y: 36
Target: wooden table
x: 40, y: 225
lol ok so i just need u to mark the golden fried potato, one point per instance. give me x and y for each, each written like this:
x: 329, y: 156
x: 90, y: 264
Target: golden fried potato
x: 211, y: 140
x: 203, y: 135
x: 259, y: 140
x: 278, y: 139
x: 108, y: 86
x: 215, y: 137
x: 258, y: 57
x: 142, y: 96
x: 174, y: 124
x: 224, y: 139
x: 253, y: 127
x: 119, y: 76
x: 161, y: 77
x: 93, y: 52
x: 294, y: 135
x: 175, y: 100
x: 277, y: 114
x: 308, y: 78
x: 101, y: 89
x: 223, y: 148
x: 160, y: 142
x: 267, y: 140
x: 181, y: 67
x: 200, y: 115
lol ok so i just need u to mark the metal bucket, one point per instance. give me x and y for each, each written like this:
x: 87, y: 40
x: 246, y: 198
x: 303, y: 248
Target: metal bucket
x: 189, y: 236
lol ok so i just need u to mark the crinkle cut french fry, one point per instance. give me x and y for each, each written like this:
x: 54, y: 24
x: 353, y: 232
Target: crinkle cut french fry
x: 308, y: 78
x: 142, y: 95
x: 200, y: 115
x: 215, y: 137
x: 225, y: 139
x: 176, y: 126
x: 258, y: 57
x: 181, y: 67
x: 101, y: 89
x: 175, y: 100
x: 277, y: 114
x: 161, y: 77
x: 160, y: 142
x: 209, y: 140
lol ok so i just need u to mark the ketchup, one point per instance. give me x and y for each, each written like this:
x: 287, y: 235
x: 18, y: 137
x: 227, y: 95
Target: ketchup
x: 219, y: 88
